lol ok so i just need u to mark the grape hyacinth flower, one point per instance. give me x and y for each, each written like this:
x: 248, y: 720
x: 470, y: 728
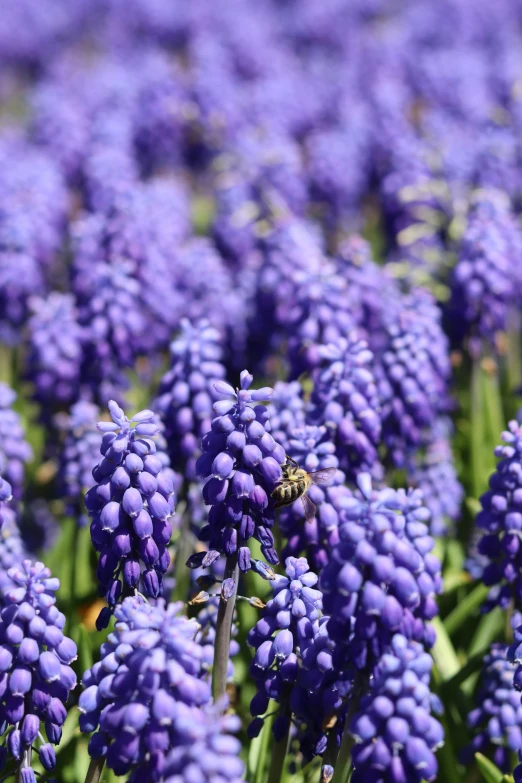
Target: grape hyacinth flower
x: 312, y: 449
x: 12, y: 546
x: 287, y: 411
x: 204, y: 747
x: 36, y: 658
x: 280, y: 639
x: 79, y: 455
x: 434, y: 473
x: 55, y: 351
x: 242, y: 462
x: 412, y: 369
x: 382, y: 578
x: 488, y: 274
x: 500, y: 522
x: 321, y: 692
x: 497, y: 719
x: 130, y: 506
x: 109, y: 307
x: 186, y: 392
x: 15, y: 452
x: 6, y: 493
x: 396, y: 735
x: 346, y: 400
x: 150, y: 664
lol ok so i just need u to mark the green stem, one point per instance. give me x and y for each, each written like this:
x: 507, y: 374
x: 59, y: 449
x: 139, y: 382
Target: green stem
x: 95, y: 770
x: 223, y: 629
x: 184, y: 549
x: 266, y: 733
x: 280, y: 748
x: 343, y: 765
x: 6, y: 364
x: 72, y: 572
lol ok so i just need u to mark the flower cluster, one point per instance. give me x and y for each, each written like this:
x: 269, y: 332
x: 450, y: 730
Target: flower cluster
x: 243, y: 464
x: 6, y: 493
x: 396, y: 735
x: 412, y: 370
x: 35, y: 661
x: 345, y: 398
x: 287, y: 411
x: 186, y: 392
x: 205, y: 748
x: 78, y: 456
x: 55, y: 350
x: 313, y: 450
x: 500, y: 522
x: 382, y: 578
x: 488, y: 274
x: 15, y: 452
x: 496, y: 721
x: 150, y: 664
x: 280, y: 637
x: 434, y: 473
x: 130, y: 506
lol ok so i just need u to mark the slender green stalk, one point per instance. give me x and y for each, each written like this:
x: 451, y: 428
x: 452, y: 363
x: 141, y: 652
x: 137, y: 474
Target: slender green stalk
x: 280, y: 748
x: 343, y: 764
x: 6, y: 364
x: 184, y: 548
x: 223, y: 629
x: 257, y: 762
x: 95, y: 770
x: 72, y: 572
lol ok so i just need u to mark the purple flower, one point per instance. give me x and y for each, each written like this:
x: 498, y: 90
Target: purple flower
x: 243, y: 464
x: 186, y: 392
x: 434, y: 473
x: 287, y: 411
x: 412, y: 369
x: 313, y: 450
x: 500, y: 522
x: 55, y: 350
x: 488, y: 273
x: 395, y: 733
x: 12, y: 547
x: 110, y: 313
x: 33, y: 206
x: 496, y: 721
x: 281, y: 637
x: 6, y: 494
x: 130, y: 507
x: 78, y: 456
x: 15, y: 452
x: 35, y: 659
x: 260, y: 173
x: 204, y: 747
x: 382, y: 578
x: 345, y: 398
x: 150, y: 665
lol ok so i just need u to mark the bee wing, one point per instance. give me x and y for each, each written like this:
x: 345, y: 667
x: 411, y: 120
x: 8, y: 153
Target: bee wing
x: 322, y: 476
x: 309, y: 508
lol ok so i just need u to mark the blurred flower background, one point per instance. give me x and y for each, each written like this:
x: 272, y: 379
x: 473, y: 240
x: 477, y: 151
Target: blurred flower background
x: 242, y: 244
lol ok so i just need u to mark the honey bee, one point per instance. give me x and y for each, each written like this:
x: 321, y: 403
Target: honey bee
x: 295, y: 484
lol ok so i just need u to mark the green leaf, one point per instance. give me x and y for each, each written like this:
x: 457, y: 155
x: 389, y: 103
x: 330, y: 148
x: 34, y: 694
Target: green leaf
x: 443, y: 652
x: 83, y: 640
x: 465, y: 608
x: 490, y: 772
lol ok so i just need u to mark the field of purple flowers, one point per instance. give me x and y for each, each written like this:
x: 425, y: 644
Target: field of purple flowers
x: 260, y: 391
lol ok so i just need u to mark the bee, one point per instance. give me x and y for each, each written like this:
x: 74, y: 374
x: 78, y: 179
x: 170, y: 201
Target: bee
x: 295, y: 484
